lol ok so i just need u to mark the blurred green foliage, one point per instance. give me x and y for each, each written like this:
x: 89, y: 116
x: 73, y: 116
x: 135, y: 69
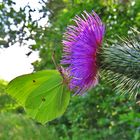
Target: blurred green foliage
x: 19, y: 127
x: 101, y: 114
x: 6, y: 102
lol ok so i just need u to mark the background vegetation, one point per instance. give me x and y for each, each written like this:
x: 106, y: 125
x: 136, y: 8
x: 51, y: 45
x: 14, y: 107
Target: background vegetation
x: 102, y: 114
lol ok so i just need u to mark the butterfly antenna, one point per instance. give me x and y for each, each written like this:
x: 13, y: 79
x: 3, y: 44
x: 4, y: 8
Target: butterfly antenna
x: 53, y: 59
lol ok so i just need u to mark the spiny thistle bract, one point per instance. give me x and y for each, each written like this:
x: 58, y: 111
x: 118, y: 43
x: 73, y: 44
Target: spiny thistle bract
x: 81, y: 43
x: 121, y: 65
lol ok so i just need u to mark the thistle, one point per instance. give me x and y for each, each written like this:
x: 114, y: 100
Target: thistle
x: 120, y: 65
x: 81, y: 44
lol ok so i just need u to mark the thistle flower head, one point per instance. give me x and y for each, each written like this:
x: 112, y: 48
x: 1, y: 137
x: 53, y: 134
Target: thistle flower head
x: 81, y: 43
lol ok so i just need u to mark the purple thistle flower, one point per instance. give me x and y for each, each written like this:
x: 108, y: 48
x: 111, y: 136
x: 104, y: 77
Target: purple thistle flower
x: 81, y: 44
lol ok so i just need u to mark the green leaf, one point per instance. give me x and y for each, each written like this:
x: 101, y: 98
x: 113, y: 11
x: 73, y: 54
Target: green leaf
x: 43, y: 94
